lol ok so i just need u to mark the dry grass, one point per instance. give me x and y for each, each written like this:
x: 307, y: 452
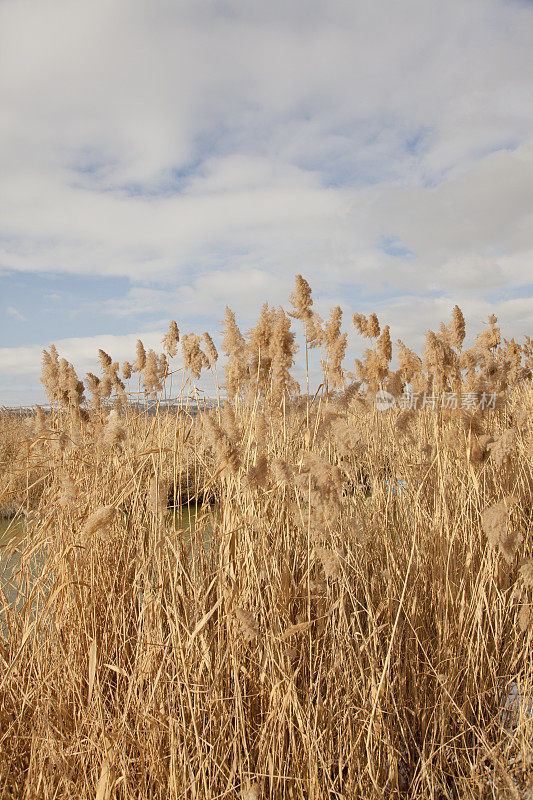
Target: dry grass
x: 345, y: 622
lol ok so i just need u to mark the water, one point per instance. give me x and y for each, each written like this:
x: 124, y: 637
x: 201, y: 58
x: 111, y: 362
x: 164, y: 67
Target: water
x: 190, y: 519
x: 9, y: 528
x: 11, y: 533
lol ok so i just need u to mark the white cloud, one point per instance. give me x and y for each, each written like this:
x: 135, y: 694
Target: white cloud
x: 81, y: 351
x: 409, y: 317
x: 209, y: 151
x: 268, y: 109
x: 15, y: 314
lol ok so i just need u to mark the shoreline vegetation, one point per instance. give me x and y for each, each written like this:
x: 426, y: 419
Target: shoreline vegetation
x: 359, y: 624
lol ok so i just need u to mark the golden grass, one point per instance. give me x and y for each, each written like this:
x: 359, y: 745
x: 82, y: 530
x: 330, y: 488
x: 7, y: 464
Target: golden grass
x: 345, y: 622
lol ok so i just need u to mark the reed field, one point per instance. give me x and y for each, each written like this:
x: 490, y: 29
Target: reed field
x: 300, y: 592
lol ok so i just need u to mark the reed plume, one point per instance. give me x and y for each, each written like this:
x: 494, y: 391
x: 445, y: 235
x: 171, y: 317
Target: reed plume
x: 526, y: 570
x: 194, y: 359
x: 373, y: 326
x: 150, y: 373
x: 458, y: 328
x: 330, y: 562
x: 97, y: 520
x: 50, y: 374
x: 140, y: 361
x: 114, y: 432
x: 105, y: 387
x: 93, y: 385
x: 225, y: 447
x: 335, y: 346
x: 339, y: 605
x: 162, y: 368
x: 234, y: 346
x: 385, y: 344
x: 248, y: 624
x: 283, y: 351
x: 410, y: 366
x: 259, y: 349
x: 503, y: 448
x: 495, y: 523
x: 210, y: 350
x: 105, y: 360
x: 170, y: 341
x: 301, y: 300
x: 69, y: 492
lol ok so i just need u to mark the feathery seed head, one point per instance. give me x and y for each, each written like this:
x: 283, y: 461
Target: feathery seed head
x: 150, y: 374
x: 98, y: 519
x: 495, y: 523
x: 210, y: 350
x: 69, y: 492
x: 502, y: 449
x: 105, y: 387
x: 162, y: 367
x: 330, y: 562
x: 282, y: 472
x: 233, y: 344
x: 248, y: 623
x: 526, y: 570
x: 141, y: 357
x: 373, y: 326
x: 301, y: 300
x: 457, y: 332
x: 361, y: 324
x: 194, y: 359
x: 170, y: 341
x: 105, y: 360
x: 256, y: 477
x: 114, y: 432
x: 385, y: 344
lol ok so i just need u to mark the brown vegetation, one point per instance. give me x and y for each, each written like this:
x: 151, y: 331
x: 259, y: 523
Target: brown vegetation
x: 348, y: 620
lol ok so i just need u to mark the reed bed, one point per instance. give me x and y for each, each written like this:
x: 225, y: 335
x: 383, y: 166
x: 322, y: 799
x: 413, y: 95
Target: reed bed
x: 349, y: 612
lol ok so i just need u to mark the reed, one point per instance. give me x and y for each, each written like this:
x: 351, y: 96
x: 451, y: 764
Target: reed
x: 348, y: 612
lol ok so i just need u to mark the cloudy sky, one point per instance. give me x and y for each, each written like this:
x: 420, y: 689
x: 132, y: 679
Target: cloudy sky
x: 163, y: 158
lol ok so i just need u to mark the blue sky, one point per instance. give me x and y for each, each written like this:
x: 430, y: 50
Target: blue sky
x: 162, y: 159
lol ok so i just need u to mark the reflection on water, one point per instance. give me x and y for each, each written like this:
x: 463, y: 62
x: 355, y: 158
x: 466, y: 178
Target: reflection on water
x: 195, y: 522
x: 9, y: 528
x: 11, y: 534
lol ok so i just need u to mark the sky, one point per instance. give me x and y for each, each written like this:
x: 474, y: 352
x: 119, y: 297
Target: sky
x: 160, y: 160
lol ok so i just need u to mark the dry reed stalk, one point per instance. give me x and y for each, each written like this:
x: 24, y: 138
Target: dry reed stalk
x: 386, y: 632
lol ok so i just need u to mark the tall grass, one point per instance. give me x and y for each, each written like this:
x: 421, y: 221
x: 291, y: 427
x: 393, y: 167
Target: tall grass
x: 349, y: 615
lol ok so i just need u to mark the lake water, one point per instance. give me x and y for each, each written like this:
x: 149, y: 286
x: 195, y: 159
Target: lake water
x: 8, y: 529
x: 12, y: 534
